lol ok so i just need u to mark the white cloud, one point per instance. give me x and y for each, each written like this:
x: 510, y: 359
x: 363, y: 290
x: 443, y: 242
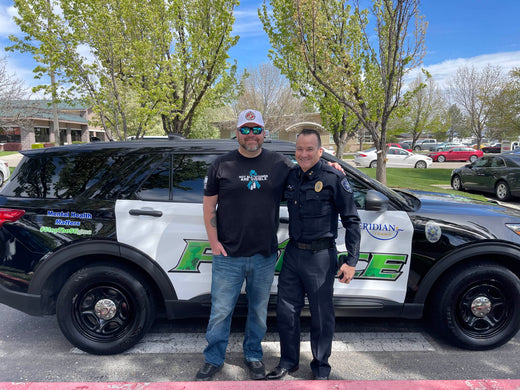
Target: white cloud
x: 7, y: 24
x: 247, y: 23
x: 443, y: 71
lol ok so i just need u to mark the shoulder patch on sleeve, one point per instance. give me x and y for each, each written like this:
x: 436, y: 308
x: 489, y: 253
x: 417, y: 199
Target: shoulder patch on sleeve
x: 346, y: 185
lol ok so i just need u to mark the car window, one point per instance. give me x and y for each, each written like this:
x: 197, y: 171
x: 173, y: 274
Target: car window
x: 497, y: 163
x: 66, y: 177
x: 179, y: 178
x: 483, y: 162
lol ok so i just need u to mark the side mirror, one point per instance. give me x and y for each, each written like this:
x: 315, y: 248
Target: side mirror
x: 376, y: 201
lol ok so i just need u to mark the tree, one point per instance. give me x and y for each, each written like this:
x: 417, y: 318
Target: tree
x: 425, y: 110
x: 472, y: 90
x: 264, y: 88
x: 330, y: 43
x: 166, y: 58
x: 504, y: 110
x: 458, y: 123
x: 14, y: 108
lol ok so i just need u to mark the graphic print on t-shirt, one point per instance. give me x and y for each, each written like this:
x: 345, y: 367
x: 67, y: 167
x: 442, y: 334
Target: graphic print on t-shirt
x: 253, y: 179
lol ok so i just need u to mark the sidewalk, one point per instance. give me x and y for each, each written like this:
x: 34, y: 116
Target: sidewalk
x: 12, y: 159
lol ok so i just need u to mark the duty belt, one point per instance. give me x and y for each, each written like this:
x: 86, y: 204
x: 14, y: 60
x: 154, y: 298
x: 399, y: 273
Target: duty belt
x: 317, y: 245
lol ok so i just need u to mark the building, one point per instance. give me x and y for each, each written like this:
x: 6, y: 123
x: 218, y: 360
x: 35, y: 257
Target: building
x: 28, y: 124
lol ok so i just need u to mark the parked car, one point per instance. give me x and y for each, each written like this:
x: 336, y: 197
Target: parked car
x: 499, y: 175
x: 443, y: 146
x: 4, y: 171
x: 495, y: 148
x: 401, y: 145
x: 108, y: 235
x: 396, y: 158
x: 424, y: 144
x: 457, y: 153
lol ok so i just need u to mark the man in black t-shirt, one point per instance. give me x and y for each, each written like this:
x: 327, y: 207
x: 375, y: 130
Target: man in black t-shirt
x: 247, y: 185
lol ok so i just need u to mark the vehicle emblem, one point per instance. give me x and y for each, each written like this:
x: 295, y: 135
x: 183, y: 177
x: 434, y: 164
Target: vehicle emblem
x: 433, y: 231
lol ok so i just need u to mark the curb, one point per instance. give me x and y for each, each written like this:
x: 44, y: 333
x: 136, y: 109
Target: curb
x: 483, y: 384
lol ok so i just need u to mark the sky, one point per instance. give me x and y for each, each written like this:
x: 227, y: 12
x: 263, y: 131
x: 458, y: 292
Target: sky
x: 460, y: 33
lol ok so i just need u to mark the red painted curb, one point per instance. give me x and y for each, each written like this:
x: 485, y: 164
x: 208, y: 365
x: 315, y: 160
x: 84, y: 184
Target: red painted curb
x: 483, y: 384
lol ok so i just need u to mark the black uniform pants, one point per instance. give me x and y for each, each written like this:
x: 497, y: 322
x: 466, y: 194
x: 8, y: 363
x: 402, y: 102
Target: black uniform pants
x: 312, y: 273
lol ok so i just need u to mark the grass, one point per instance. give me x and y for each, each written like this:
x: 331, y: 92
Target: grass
x: 7, y: 153
x: 430, y: 179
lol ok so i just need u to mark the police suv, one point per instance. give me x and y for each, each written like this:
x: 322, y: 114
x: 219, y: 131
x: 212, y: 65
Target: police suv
x: 108, y: 236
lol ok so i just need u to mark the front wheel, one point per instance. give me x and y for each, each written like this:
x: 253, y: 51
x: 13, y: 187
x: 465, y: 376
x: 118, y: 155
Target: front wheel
x: 420, y: 164
x: 456, y: 183
x: 502, y: 191
x: 477, y: 306
x: 441, y: 158
x: 104, y: 309
x: 473, y: 158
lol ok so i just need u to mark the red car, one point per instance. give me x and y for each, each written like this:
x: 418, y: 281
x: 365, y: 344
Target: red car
x: 456, y: 153
x: 400, y: 145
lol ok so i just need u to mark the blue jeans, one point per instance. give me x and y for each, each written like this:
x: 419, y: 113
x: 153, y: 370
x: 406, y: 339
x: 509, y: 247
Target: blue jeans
x: 227, y: 278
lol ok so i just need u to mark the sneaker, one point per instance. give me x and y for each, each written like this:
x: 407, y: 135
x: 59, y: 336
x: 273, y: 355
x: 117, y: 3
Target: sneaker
x: 207, y: 371
x: 256, y: 369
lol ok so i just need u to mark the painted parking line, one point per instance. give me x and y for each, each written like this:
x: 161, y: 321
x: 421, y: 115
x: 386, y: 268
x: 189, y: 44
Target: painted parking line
x: 344, y: 342
x: 483, y: 384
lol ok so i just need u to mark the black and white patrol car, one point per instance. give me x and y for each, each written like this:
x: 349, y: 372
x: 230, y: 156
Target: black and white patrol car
x: 109, y: 235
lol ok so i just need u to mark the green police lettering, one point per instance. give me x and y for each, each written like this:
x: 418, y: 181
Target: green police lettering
x: 379, y: 266
x: 384, y: 266
x: 196, y: 252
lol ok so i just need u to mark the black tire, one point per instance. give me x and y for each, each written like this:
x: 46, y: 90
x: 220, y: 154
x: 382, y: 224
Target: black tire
x: 373, y: 164
x: 473, y: 158
x: 417, y: 148
x: 1, y: 178
x: 502, y: 191
x: 420, y: 164
x: 441, y: 158
x: 456, y: 183
x: 125, y: 293
x: 455, y: 310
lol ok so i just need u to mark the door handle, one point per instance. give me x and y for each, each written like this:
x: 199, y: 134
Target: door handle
x: 150, y: 213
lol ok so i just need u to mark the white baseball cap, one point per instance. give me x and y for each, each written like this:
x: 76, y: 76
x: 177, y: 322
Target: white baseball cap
x: 250, y: 117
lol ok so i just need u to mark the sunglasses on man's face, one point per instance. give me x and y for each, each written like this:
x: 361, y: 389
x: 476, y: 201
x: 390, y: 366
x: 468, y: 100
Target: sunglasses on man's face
x: 246, y: 130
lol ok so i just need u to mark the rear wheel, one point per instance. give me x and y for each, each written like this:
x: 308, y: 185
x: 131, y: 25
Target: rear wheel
x: 441, y: 158
x: 477, y: 307
x: 373, y: 164
x: 502, y: 191
x: 104, y: 309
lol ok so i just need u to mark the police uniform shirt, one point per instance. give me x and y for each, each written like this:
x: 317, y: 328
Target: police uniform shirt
x: 314, y: 199
x: 249, y: 193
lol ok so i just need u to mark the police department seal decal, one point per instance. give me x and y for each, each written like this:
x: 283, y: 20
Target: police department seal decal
x: 433, y: 231
x: 318, y: 186
x: 346, y: 185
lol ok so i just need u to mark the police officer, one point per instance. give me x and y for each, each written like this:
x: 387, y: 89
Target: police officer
x: 315, y: 195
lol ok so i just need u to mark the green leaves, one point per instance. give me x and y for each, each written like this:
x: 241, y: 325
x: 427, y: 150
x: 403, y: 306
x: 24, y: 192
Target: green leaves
x: 134, y: 60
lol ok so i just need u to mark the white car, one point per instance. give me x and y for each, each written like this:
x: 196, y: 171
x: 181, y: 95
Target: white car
x: 4, y: 171
x: 396, y: 158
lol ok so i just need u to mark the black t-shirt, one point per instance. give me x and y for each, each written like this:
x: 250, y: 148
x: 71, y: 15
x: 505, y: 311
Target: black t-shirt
x: 249, y: 192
